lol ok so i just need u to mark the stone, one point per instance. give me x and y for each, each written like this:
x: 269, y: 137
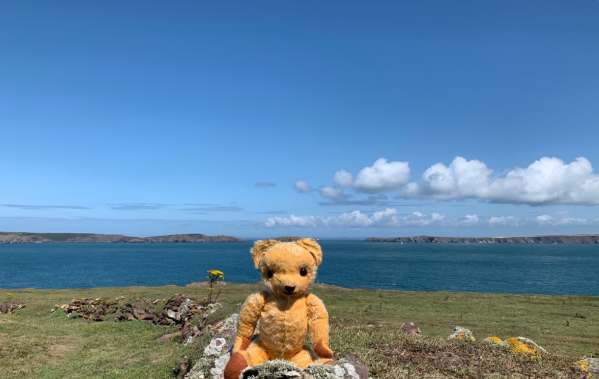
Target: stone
x: 494, y: 340
x: 462, y: 334
x: 410, y: 329
x: 279, y: 369
x: 523, y: 345
x: 216, y: 354
x: 169, y: 337
x: 589, y: 367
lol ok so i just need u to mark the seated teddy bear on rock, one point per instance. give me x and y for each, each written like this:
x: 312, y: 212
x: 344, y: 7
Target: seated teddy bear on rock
x: 285, y: 312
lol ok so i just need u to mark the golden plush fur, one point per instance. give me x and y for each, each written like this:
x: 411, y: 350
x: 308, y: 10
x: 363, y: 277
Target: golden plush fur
x: 285, y: 312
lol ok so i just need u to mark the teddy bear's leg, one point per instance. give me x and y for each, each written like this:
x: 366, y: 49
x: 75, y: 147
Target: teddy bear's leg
x: 303, y: 359
x: 235, y: 366
x: 252, y: 356
x: 255, y: 354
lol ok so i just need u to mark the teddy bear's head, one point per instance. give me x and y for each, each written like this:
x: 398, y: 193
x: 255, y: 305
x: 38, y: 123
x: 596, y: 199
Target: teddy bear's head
x: 288, y: 268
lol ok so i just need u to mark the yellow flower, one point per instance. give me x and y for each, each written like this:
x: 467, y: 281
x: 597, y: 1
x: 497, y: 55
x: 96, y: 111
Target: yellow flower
x: 216, y: 274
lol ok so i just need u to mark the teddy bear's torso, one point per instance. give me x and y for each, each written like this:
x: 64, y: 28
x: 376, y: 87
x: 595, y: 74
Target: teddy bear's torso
x: 283, y: 326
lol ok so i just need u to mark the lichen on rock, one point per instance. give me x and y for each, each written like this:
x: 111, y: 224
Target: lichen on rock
x: 278, y: 369
x: 211, y: 364
x: 462, y: 334
x: 523, y: 345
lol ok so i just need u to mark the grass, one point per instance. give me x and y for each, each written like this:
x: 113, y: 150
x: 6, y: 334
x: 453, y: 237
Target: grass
x: 36, y: 343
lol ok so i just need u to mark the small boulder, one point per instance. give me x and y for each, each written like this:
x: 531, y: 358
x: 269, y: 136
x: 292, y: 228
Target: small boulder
x: 279, y: 369
x: 523, y: 345
x: 462, y: 334
x: 589, y: 367
x: 410, y: 329
x: 169, y: 337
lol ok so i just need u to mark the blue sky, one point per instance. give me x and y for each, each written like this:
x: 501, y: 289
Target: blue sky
x: 138, y: 118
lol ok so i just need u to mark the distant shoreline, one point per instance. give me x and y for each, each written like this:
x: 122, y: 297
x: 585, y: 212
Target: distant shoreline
x: 529, y: 240
x: 22, y: 237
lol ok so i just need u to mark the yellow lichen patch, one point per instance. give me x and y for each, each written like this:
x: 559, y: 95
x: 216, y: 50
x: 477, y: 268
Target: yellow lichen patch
x: 521, y: 347
x: 583, y: 365
x: 494, y: 340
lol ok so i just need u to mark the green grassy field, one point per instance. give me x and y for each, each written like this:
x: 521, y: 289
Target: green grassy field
x: 36, y: 343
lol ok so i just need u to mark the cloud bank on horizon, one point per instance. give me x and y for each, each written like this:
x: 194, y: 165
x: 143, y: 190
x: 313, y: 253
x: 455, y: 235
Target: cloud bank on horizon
x: 546, y: 181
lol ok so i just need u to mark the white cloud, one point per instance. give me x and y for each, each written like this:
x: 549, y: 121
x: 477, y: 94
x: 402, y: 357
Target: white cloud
x: 462, y: 178
x: 469, y: 219
x: 354, y: 218
x: 503, y: 221
x: 344, y: 178
x: 383, y: 175
x: 545, y: 181
x: 292, y: 220
x: 302, y: 186
x: 421, y: 219
x: 548, y: 180
x: 388, y: 217
x: 332, y: 193
x: 559, y: 220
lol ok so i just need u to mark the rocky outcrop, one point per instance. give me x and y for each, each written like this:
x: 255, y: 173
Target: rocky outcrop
x: 342, y: 369
x: 185, y: 313
x: 581, y: 239
x: 108, y: 238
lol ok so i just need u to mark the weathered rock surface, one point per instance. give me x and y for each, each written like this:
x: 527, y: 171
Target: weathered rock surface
x: 461, y: 334
x: 518, y: 345
x: 589, y: 367
x: 342, y: 369
x: 216, y: 354
x: 410, y: 329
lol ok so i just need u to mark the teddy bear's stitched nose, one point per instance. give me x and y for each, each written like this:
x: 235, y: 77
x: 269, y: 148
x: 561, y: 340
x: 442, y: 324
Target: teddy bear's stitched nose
x: 289, y: 289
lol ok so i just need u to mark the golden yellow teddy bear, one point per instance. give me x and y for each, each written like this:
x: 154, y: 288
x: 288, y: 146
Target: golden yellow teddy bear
x: 284, y: 312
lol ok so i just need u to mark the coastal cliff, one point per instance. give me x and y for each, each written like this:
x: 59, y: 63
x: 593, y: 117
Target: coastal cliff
x: 8, y: 237
x: 574, y: 239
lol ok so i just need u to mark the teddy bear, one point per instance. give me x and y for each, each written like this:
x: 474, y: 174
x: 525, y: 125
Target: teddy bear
x: 285, y: 312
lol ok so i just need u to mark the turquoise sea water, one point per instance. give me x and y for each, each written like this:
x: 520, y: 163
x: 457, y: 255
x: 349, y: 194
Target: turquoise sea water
x: 545, y: 269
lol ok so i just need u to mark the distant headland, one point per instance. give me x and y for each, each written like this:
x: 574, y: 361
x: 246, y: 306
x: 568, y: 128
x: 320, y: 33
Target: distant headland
x: 557, y: 239
x: 8, y: 237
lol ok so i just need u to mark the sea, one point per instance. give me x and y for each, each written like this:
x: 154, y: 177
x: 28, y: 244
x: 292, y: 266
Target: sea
x: 534, y: 269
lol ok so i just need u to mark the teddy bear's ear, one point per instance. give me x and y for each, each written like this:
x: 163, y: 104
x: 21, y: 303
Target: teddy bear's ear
x: 260, y: 247
x: 313, y: 248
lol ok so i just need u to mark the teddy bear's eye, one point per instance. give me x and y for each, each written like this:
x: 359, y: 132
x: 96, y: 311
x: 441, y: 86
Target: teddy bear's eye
x: 303, y: 271
x: 269, y: 273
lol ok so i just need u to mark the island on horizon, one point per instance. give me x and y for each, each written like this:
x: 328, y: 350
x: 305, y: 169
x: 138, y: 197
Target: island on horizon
x: 587, y: 239
x: 24, y: 237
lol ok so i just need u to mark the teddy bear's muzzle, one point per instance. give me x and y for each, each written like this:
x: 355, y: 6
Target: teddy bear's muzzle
x: 289, y: 290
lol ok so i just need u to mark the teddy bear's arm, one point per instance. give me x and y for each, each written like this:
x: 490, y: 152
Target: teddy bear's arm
x: 319, y: 326
x: 248, y: 318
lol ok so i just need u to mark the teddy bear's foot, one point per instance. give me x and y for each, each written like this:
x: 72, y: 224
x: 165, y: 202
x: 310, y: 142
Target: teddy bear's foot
x: 235, y: 366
